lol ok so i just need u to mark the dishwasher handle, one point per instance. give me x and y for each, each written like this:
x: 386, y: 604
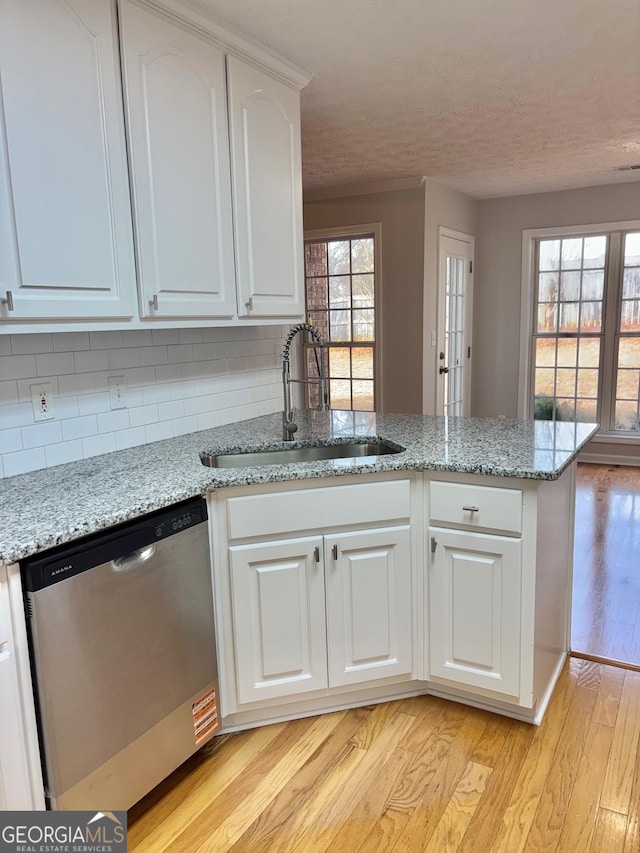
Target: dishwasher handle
x: 134, y: 560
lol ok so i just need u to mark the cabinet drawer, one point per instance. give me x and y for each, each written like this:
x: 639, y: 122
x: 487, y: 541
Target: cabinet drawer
x: 476, y: 506
x: 317, y: 509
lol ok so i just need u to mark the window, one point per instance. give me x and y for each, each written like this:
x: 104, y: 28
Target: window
x: 340, y: 283
x: 586, y: 335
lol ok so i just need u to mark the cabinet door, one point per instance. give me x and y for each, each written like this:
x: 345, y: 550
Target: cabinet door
x: 267, y: 190
x: 178, y: 135
x: 474, y: 608
x: 66, y: 246
x: 368, y: 579
x: 278, y: 610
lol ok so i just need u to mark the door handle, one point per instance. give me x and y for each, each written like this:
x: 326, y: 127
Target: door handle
x: 316, y: 553
x: 153, y: 302
x: 8, y: 300
x: 434, y: 544
x: 133, y: 560
x: 334, y: 552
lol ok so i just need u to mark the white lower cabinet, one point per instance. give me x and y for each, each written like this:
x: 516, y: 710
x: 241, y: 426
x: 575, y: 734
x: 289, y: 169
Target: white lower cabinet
x: 474, y: 610
x: 322, y: 611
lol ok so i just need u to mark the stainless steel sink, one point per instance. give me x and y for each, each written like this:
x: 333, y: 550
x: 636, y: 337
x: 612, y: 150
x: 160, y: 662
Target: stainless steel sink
x: 285, y: 455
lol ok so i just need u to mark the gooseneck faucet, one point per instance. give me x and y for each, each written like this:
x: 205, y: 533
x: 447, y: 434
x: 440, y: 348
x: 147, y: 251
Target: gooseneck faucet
x: 289, y: 426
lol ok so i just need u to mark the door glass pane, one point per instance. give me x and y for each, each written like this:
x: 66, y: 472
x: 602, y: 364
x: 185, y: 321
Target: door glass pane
x: 362, y: 360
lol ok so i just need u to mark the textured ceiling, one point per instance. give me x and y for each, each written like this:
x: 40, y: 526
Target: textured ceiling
x: 493, y: 98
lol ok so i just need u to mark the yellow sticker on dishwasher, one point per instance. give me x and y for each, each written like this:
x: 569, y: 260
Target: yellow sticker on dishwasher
x: 205, y: 716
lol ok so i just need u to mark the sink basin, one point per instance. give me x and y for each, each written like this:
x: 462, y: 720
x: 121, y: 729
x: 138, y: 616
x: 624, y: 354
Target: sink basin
x: 285, y: 455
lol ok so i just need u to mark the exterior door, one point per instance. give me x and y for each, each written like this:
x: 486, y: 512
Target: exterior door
x: 368, y: 581
x: 278, y: 618
x: 474, y: 597
x: 455, y: 299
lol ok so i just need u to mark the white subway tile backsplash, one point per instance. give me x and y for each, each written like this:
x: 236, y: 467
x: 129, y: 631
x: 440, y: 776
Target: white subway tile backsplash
x: 88, y: 362
x: 96, y: 445
x: 177, y: 381
x: 79, y: 427
x: 10, y: 440
x: 55, y: 363
x: 113, y: 421
x: 60, y: 454
x: 159, y: 431
x: 18, y: 366
x: 27, y: 344
x: 23, y: 461
x: 38, y: 435
x: 142, y: 415
x: 131, y: 437
x: 71, y: 341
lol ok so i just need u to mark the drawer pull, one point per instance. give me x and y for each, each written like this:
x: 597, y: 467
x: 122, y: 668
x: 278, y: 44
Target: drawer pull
x: 471, y: 508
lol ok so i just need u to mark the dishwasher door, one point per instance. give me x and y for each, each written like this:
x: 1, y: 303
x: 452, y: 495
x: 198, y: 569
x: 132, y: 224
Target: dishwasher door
x: 124, y: 653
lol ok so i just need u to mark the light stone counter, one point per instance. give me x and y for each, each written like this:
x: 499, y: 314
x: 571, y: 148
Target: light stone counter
x: 56, y: 505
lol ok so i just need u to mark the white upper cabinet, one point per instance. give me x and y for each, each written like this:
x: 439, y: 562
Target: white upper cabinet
x: 179, y: 154
x: 267, y: 186
x: 66, y: 249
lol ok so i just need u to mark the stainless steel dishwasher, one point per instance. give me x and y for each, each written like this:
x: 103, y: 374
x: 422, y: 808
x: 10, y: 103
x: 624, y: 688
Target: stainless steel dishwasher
x: 123, y: 655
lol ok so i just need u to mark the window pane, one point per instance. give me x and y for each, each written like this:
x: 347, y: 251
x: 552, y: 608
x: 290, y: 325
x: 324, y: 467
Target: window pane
x: 363, y: 291
x: 627, y: 384
x: 363, y: 328
x: 589, y: 352
x: 339, y: 363
x: 362, y: 360
x: 567, y: 352
x: 591, y: 317
x: 340, y: 325
x: 362, y: 255
x: 565, y: 409
x: 630, y: 319
x: 315, y: 256
x: 587, y: 411
x: 627, y: 415
x: 570, y: 286
x: 566, y: 382
x: 549, y: 255
x: 546, y: 352
x: 631, y: 282
x: 594, y: 251
x: 548, y: 317
x: 569, y: 316
x: 572, y: 254
x: 593, y: 284
x: 587, y: 383
x: 339, y: 295
x: 338, y: 256
x: 363, y: 395
x: 544, y: 383
x: 629, y: 352
x: 632, y: 249
x: 340, y: 393
x: 548, y: 287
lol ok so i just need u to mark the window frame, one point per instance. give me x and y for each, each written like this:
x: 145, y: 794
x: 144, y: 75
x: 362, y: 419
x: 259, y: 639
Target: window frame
x: 353, y: 232
x: 611, y: 308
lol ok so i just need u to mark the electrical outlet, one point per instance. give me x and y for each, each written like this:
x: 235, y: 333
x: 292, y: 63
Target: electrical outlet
x: 117, y: 392
x: 42, y: 400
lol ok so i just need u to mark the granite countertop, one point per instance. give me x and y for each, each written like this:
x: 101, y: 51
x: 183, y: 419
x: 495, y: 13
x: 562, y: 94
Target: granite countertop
x: 56, y: 505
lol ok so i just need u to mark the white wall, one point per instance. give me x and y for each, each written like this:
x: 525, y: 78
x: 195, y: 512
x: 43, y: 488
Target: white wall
x: 498, y: 277
x: 445, y: 208
x: 178, y: 381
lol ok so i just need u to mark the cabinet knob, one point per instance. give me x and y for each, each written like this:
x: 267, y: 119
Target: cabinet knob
x: 153, y: 302
x: 8, y: 301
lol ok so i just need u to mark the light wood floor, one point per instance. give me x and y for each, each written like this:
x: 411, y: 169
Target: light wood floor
x: 419, y: 774
x: 606, y: 589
